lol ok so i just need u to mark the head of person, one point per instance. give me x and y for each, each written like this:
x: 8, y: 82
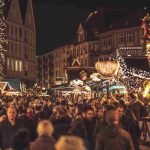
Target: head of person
x: 108, y: 100
x: 61, y: 112
x: 70, y: 143
x: 37, y: 107
x: 45, y: 128
x: 11, y: 113
x: 89, y: 113
x: 71, y: 108
x: 111, y: 114
x: 120, y: 110
x: 21, y: 139
x: 100, y: 112
x: 79, y: 110
x: 131, y: 96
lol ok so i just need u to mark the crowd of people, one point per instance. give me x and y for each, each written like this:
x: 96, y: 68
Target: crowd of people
x: 60, y: 123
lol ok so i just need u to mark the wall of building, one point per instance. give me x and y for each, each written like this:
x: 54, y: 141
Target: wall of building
x: 87, y: 50
x: 21, y: 48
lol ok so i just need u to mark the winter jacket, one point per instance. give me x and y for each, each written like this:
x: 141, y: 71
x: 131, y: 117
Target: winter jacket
x: 43, y: 142
x: 114, y: 138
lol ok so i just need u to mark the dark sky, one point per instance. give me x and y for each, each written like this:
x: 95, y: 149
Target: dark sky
x: 57, y: 20
x: 56, y: 24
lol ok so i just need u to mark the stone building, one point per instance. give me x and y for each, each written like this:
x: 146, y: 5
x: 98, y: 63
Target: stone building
x: 21, y: 48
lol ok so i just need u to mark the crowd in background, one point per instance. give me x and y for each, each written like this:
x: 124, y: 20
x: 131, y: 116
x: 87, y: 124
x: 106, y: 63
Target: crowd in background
x: 60, y: 123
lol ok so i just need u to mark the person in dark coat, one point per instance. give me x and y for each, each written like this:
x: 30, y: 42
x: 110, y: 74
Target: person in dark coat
x: 45, y: 141
x: 28, y: 124
x: 131, y: 125
x: 21, y: 140
x: 9, y: 127
x: 136, y: 105
x: 61, y: 122
x: 46, y: 111
x: 112, y: 136
x: 85, y: 126
x: 110, y: 111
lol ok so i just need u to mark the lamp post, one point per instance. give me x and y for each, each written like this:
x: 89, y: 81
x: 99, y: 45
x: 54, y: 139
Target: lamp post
x: 107, y: 89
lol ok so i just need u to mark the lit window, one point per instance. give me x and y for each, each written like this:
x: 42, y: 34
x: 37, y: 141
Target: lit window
x: 20, y: 66
x: 16, y: 65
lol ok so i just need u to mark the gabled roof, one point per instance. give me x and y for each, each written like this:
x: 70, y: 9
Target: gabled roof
x: 4, y: 86
x: 23, y: 8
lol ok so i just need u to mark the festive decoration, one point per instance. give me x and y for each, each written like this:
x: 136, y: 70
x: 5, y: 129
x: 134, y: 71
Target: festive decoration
x: 146, y: 26
x: 83, y: 75
x: 76, y: 62
x: 3, y: 40
x: 132, y: 78
x: 148, y: 50
x: 146, y: 90
x: 107, y: 68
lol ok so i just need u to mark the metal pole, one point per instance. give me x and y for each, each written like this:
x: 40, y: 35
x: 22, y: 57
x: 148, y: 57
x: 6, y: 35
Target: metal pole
x: 107, y: 89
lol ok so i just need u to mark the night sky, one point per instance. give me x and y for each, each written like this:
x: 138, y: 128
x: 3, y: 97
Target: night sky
x: 57, y: 20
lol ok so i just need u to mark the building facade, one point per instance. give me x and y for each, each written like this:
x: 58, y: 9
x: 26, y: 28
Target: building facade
x: 99, y: 37
x: 21, y: 36
x: 51, y: 66
x: 45, y: 70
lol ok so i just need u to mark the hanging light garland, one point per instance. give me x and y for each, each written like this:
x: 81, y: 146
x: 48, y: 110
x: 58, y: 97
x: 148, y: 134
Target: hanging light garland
x: 3, y: 40
x: 133, y: 77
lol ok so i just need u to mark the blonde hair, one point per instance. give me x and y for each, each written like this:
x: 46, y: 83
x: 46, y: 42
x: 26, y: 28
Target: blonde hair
x: 70, y: 143
x: 12, y: 107
x: 45, y: 127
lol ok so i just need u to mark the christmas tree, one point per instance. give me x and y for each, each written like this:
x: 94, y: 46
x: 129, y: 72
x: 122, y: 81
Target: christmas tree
x: 3, y: 40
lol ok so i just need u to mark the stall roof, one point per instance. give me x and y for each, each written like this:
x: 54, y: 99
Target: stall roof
x: 4, y: 86
x: 14, y: 83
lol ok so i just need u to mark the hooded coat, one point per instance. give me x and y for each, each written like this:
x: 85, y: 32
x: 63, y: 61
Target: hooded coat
x: 114, y: 138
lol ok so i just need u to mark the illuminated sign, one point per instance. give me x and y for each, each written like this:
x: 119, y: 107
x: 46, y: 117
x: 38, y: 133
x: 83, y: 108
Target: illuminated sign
x: 107, y: 68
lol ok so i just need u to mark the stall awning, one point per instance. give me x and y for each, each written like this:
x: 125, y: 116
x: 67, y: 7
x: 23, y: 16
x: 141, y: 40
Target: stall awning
x: 5, y: 86
x: 14, y: 83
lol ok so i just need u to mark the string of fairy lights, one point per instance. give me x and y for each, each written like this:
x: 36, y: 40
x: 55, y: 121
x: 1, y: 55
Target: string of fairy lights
x: 3, y: 40
x: 131, y: 77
